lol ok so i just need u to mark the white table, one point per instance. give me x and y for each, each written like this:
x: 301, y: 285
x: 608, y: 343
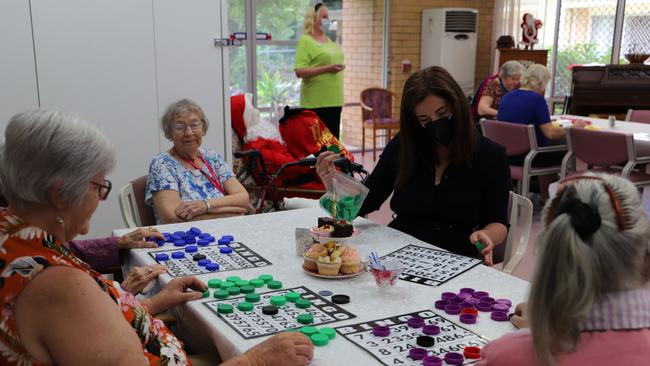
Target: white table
x: 640, y: 131
x: 272, y: 236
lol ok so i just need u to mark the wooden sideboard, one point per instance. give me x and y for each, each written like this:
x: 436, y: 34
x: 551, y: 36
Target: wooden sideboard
x: 525, y: 57
x: 610, y: 89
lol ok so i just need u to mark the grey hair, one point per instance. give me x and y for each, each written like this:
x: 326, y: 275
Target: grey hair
x: 43, y: 149
x: 536, y: 77
x: 511, y: 68
x: 181, y: 108
x: 572, y: 273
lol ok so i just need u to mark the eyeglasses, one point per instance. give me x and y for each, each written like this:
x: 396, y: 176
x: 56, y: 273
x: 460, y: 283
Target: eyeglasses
x: 181, y: 127
x: 104, y: 189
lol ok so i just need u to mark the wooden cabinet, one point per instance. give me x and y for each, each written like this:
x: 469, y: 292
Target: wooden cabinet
x: 525, y: 57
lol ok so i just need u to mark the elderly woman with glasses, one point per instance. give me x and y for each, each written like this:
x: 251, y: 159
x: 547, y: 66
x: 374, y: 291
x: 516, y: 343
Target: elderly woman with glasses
x: 187, y: 182
x: 509, y: 77
x: 55, y: 309
x: 589, y: 297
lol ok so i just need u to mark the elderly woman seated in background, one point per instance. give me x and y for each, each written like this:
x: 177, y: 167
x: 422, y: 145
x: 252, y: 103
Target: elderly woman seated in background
x: 56, y: 309
x: 188, y: 182
x: 527, y: 106
x: 589, y: 301
x: 508, y: 79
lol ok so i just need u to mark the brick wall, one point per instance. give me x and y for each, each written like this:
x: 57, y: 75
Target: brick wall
x: 363, y: 27
x: 363, y: 42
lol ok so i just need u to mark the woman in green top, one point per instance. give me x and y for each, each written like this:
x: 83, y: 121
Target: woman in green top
x: 319, y: 62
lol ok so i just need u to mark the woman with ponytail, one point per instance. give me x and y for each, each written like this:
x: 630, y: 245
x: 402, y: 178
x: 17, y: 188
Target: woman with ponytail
x: 588, y: 302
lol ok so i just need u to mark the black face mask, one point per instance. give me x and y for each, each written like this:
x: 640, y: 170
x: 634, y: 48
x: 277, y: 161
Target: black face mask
x: 441, y: 130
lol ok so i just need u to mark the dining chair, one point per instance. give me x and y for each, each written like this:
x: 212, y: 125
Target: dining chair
x: 604, y: 151
x: 520, y: 218
x: 135, y: 211
x: 520, y: 139
x: 638, y: 115
x: 376, y: 113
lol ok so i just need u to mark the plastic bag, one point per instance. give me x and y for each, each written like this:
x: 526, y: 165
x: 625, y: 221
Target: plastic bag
x: 343, y: 198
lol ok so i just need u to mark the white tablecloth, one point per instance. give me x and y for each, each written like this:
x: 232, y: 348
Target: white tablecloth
x: 272, y: 236
x: 640, y: 131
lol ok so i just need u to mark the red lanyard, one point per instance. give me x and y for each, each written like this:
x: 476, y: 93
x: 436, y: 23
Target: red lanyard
x: 212, y: 177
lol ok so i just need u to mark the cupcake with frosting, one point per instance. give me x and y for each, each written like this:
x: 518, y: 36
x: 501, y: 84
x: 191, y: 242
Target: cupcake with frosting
x: 311, y: 256
x: 350, y: 261
x: 327, y: 266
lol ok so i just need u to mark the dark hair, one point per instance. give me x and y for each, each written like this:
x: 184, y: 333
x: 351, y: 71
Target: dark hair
x: 317, y: 6
x: 414, y: 146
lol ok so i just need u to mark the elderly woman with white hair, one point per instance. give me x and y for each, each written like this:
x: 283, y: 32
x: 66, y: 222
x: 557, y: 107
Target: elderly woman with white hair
x: 55, y: 308
x: 527, y: 106
x: 509, y: 77
x: 188, y: 182
x: 589, y: 302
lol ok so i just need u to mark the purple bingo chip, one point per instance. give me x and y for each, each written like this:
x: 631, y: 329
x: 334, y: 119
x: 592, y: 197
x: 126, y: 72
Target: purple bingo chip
x: 499, y: 316
x: 431, y: 329
x: 432, y: 361
x: 480, y: 294
x: 468, y: 290
x: 504, y: 301
x: 500, y: 307
x: 454, y: 358
x: 417, y: 353
x: 464, y: 295
x: 484, y: 306
x: 465, y: 305
x: 452, y: 309
x: 456, y: 300
x: 447, y: 295
x: 467, y: 318
x: 415, y: 322
x: 440, y: 304
x: 487, y: 299
x: 381, y: 331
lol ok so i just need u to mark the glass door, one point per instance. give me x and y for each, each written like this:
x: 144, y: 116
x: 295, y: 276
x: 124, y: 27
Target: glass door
x: 265, y: 33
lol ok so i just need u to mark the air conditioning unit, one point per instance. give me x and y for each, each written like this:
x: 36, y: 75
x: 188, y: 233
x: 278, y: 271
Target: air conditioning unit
x: 449, y: 40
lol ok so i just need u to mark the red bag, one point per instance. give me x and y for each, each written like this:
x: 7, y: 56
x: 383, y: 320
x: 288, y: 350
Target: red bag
x: 275, y: 155
x: 305, y: 133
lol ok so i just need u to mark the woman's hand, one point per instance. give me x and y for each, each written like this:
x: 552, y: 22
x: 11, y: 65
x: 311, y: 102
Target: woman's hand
x: 176, y: 293
x: 334, y: 68
x: 134, y: 239
x: 325, y: 166
x: 139, y: 277
x: 482, y: 236
x: 187, y: 210
x: 519, y: 317
x: 284, y: 349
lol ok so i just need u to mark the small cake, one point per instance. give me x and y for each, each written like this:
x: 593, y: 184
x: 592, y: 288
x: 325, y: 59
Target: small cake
x: 350, y: 261
x: 311, y: 256
x: 325, y: 230
x: 328, y: 267
x: 342, y: 229
x: 322, y: 221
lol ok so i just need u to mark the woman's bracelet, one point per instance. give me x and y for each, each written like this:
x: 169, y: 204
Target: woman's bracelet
x: 207, y: 205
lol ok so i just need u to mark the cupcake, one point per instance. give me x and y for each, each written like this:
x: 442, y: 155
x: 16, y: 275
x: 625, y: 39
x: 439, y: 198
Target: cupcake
x: 350, y: 261
x: 311, y: 256
x: 327, y: 267
x: 325, y: 230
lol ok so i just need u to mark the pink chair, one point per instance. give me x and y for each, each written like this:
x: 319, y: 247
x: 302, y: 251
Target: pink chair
x: 606, y: 152
x: 376, y: 113
x: 638, y: 115
x: 520, y: 139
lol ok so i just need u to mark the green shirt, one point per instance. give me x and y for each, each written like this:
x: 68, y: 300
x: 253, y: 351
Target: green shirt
x: 324, y: 90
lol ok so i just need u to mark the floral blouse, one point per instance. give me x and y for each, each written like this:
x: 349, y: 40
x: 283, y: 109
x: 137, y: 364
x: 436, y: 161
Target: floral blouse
x: 25, y: 251
x: 165, y: 173
x: 495, y: 90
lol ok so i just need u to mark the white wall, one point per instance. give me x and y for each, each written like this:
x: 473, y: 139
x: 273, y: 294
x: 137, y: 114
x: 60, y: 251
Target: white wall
x: 117, y: 63
x: 17, y: 69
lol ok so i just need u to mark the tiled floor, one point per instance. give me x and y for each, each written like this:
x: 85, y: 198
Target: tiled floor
x: 384, y: 216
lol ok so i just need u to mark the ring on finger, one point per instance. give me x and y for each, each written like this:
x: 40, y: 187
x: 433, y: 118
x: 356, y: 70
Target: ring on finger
x: 149, y: 269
